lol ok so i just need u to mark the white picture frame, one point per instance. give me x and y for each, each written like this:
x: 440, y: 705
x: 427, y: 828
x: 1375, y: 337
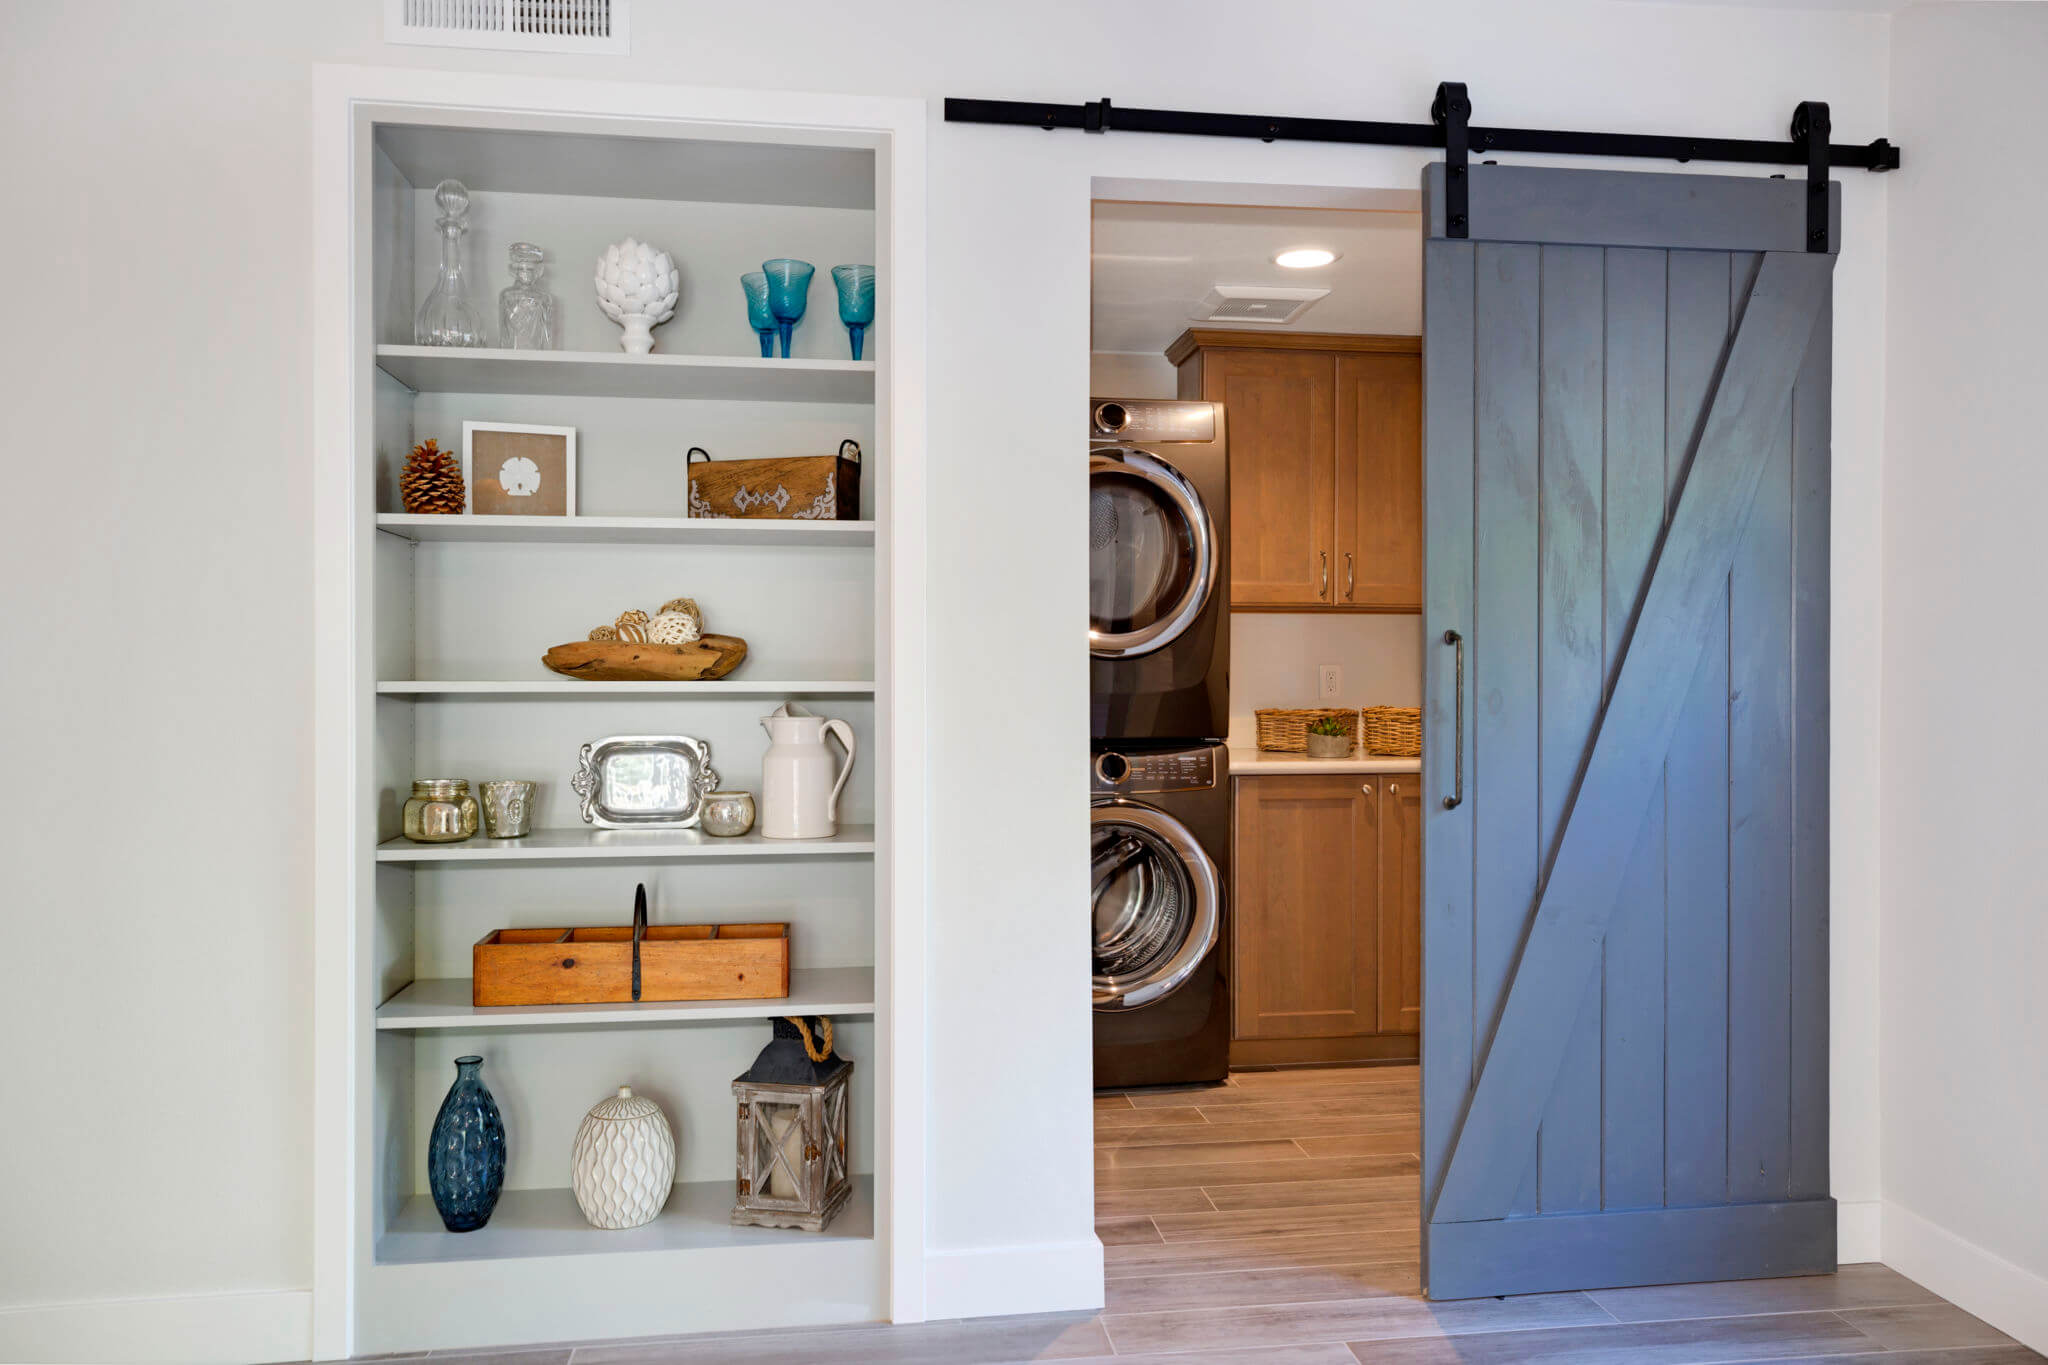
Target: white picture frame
x: 503, y: 501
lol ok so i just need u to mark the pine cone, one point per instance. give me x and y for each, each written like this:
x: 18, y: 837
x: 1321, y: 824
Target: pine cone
x: 431, y: 483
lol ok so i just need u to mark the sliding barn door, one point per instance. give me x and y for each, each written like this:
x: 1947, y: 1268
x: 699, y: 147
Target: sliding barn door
x: 1625, y: 951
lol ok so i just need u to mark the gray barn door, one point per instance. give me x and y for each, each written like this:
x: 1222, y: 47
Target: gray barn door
x: 1625, y: 959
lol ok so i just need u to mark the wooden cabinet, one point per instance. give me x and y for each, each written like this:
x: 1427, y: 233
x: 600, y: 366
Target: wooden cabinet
x: 1326, y: 918
x: 1325, y: 465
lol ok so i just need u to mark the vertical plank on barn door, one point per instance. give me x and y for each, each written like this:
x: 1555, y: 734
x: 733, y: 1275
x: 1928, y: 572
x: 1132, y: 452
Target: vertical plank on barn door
x: 1448, y: 361
x: 1760, y: 828
x: 1633, y: 495
x: 1625, y: 943
x: 1570, y: 673
x: 1506, y: 722
x: 1696, y: 786
x: 1811, y: 474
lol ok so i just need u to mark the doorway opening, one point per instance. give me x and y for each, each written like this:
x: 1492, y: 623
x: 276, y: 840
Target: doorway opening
x: 1263, y: 1110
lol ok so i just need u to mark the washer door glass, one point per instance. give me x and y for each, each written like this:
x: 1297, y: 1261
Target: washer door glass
x: 1151, y: 553
x: 1158, y: 904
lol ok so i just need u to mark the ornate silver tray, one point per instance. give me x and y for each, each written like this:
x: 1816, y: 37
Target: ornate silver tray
x: 644, y: 781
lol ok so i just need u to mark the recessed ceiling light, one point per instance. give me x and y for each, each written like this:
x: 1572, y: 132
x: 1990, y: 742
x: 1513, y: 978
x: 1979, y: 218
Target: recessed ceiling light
x: 1305, y: 257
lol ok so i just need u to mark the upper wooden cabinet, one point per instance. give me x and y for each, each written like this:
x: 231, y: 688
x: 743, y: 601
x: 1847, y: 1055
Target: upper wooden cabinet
x: 1325, y: 465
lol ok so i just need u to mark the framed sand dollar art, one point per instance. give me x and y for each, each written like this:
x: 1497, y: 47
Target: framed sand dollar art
x: 519, y: 471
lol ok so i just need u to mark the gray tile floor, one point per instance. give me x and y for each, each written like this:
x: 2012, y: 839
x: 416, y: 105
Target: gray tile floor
x: 1273, y: 1220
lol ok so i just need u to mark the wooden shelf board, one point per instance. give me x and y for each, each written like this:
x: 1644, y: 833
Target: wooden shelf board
x: 607, y: 374
x: 625, y: 530
x: 535, y: 1223
x: 597, y: 691
x: 443, y: 1003
x: 580, y: 844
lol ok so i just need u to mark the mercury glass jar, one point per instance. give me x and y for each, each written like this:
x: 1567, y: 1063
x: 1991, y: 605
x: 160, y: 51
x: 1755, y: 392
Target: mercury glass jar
x: 440, y: 811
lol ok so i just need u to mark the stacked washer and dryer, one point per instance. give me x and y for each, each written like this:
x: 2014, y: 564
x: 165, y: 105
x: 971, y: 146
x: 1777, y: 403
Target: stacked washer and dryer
x: 1159, y: 684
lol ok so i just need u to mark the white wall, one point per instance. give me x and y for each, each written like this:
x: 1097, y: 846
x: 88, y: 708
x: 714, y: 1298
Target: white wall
x: 156, y: 364
x: 1130, y: 374
x: 1275, y: 657
x: 1965, y: 919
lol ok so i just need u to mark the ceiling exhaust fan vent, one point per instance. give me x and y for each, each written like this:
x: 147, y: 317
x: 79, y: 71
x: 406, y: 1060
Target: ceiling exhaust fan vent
x: 1260, y: 303
x: 585, y: 26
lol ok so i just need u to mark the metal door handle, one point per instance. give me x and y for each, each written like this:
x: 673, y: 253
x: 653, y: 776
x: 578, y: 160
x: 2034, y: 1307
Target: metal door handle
x: 1348, y: 576
x: 1457, y: 796
x: 1324, y: 591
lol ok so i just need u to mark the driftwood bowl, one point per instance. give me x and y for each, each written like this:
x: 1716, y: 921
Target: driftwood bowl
x: 712, y: 656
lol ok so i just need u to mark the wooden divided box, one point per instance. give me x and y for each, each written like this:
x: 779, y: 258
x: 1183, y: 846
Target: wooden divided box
x: 605, y: 965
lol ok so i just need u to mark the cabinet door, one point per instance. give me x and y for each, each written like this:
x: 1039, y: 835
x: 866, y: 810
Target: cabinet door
x: 1400, y: 904
x: 1306, y: 925
x: 1379, y: 482
x: 1279, y: 415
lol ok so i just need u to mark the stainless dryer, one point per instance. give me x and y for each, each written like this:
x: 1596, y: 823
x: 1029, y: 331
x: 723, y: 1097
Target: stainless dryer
x: 1160, y: 826
x: 1158, y: 572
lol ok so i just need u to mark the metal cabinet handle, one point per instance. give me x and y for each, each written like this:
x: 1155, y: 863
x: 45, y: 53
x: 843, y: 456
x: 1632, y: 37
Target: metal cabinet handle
x: 1348, y: 576
x: 1367, y: 789
x: 1324, y: 591
x: 1457, y: 796
x: 1394, y: 788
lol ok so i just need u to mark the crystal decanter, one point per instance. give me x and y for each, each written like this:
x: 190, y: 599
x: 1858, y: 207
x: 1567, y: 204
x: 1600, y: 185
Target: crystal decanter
x: 526, y: 312
x: 446, y: 318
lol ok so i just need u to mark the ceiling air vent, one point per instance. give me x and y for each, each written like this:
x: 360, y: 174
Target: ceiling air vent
x: 519, y: 25
x: 1255, y: 303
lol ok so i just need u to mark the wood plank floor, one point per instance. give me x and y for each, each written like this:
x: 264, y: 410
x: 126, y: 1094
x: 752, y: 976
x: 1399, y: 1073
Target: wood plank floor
x: 1273, y: 1220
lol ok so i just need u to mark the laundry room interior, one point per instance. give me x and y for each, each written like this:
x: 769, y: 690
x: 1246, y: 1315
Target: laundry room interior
x: 1256, y: 534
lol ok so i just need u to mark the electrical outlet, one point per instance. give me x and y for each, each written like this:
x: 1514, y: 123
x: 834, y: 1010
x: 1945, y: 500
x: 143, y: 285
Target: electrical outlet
x: 1330, y: 682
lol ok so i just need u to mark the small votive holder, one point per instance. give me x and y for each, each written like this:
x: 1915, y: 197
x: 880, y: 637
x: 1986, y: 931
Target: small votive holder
x: 508, y: 808
x: 727, y: 814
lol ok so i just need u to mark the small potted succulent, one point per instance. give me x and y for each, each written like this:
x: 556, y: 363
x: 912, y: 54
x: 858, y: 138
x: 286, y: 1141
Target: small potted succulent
x: 1327, y: 738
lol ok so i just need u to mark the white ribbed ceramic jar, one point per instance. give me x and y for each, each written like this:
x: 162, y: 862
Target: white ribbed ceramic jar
x: 625, y: 1161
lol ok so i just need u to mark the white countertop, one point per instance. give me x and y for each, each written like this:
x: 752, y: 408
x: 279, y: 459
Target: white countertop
x: 1262, y: 763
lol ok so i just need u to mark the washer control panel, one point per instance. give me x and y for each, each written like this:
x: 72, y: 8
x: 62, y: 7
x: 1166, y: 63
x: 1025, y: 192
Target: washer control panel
x: 1176, y: 771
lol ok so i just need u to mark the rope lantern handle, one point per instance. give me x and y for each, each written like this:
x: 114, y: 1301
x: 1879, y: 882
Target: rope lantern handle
x: 816, y: 1052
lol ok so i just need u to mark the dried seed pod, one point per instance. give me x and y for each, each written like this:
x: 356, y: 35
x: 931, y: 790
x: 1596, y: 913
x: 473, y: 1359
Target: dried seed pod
x: 605, y: 633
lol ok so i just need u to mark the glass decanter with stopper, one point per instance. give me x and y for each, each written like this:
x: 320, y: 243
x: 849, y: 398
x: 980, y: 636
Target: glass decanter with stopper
x: 526, y: 312
x: 446, y: 318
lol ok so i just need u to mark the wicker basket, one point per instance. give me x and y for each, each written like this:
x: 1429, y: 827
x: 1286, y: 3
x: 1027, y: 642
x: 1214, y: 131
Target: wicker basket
x: 1393, y: 731
x: 1285, y: 731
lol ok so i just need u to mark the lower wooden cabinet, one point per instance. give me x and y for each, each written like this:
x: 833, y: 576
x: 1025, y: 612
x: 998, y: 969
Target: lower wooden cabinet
x: 1326, y: 915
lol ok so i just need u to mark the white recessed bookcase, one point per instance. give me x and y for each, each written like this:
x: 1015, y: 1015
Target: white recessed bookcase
x: 430, y: 631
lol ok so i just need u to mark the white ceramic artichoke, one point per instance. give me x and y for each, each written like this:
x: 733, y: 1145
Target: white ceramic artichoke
x: 637, y: 287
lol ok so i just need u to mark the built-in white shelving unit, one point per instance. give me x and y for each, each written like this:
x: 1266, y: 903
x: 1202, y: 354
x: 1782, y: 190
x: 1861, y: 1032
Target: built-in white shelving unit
x: 445, y: 619
x: 582, y: 844
x: 443, y: 1003
x: 625, y: 530
x: 598, y: 374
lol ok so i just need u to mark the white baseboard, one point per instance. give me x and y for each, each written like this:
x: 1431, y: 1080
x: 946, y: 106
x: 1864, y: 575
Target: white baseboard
x: 2009, y: 1297
x: 1049, y: 1277
x: 1859, y: 1228
x: 192, y: 1328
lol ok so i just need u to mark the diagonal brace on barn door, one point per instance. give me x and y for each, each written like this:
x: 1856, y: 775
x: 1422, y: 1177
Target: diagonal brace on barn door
x: 1579, y: 897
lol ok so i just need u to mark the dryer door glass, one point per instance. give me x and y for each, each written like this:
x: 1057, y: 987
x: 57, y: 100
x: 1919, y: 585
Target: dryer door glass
x: 1158, y: 904
x: 1151, y: 553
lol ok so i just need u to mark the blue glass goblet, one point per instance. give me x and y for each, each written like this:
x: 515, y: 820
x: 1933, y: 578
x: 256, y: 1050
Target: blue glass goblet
x: 856, y: 300
x: 759, y: 316
x: 789, y: 289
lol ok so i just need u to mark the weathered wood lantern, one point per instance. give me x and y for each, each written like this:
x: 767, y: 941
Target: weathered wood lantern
x: 792, y: 1131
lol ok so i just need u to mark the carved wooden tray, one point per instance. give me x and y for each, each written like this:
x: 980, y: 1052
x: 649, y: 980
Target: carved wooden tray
x: 713, y: 656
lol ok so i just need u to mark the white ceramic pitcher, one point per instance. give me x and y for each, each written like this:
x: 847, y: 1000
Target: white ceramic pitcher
x: 800, y: 783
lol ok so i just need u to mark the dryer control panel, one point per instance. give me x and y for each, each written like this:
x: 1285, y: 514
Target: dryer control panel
x: 1151, y: 420
x: 1179, y: 770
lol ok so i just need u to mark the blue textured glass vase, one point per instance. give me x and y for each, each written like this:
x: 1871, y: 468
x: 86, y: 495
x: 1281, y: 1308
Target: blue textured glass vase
x: 856, y: 301
x: 789, y: 289
x: 466, y: 1152
x: 759, y: 316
